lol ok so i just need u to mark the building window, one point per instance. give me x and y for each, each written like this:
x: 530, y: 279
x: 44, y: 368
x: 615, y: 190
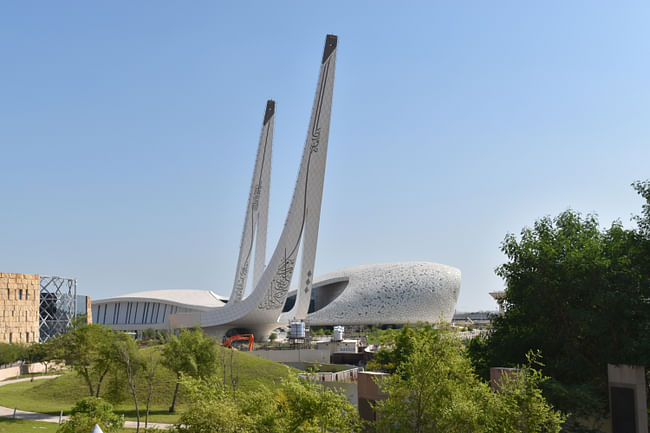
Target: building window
x: 11, y: 337
x: 26, y: 337
x: 20, y: 294
x: 26, y: 295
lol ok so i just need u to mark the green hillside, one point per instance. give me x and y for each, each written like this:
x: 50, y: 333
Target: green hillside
x: 51, y: 396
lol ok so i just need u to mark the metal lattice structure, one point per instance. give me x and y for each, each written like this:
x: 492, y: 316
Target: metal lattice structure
x: 58, y: 305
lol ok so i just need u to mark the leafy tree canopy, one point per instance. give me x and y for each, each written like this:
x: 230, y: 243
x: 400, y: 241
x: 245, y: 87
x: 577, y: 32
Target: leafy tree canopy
x: 295, y: 406
x: 580, y: 294
x: 435, y: 389
x: 12, y: 352
x: 396, y: 346
x: 91, y: 350
x: 191, y: 353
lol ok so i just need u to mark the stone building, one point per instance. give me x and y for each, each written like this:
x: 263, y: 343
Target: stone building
x: 19, y: 302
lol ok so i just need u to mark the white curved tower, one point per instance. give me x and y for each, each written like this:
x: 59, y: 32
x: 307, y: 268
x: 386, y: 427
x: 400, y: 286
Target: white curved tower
x: 257, y: 211
x: 384, y: 293
x: 261, y: 311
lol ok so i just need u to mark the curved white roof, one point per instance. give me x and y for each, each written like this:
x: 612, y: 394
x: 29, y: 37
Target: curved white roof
x: 395, y: 293
x: 190, y: 297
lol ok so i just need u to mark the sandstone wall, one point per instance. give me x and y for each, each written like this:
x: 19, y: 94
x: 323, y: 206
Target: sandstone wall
x: 89, y: 310
x: 19, y: 303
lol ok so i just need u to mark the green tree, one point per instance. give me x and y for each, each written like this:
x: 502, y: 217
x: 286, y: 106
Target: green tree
x: 519, y: 405
x: 580, y: 294
x: 191, y: 353
x: 91, y: 350
x: 133, y: 365
x: 151, y: 364
x: 295, y: 406
x: 305, y: 406
x: 40, y: 352
x: 12, y: 352
x: 88, y: 412
x: 211, y: 409
x: 396, y: 347
x: 435, y: 389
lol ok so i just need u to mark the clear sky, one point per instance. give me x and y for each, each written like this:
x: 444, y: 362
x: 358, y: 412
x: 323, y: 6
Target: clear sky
x: 128, y: 131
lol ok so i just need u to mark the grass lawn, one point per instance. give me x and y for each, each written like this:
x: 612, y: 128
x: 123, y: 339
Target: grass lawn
x: 54, y: 395
x: 9, y: 425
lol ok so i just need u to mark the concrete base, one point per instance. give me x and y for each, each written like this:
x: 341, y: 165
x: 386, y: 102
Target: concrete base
x: 368, y: 393
x: 627, y: 398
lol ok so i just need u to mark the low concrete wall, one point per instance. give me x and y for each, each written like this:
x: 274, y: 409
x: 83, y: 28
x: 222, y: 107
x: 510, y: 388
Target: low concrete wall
x: 9, y: 373
x: 39, y: 367
x: 294, y: 355
x: 36, y: 367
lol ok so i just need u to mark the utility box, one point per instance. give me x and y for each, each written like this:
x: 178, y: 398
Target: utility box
x: 338, y: 333
x: 297, y: 330
x: 627, y: 398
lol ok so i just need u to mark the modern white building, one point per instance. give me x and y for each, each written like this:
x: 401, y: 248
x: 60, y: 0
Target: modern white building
x: 384, y: 294
x: 393, y: 293
x: 151, y: 309
x: 378, y: 294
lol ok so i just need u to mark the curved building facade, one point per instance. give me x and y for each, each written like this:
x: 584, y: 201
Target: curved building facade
x: 385, y: 293
x: 152, y: 309
x: 377, y: 294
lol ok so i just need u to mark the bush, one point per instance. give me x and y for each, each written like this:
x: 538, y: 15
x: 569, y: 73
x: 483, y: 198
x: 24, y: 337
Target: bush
x: 12, y: 352
x: 88, y: 412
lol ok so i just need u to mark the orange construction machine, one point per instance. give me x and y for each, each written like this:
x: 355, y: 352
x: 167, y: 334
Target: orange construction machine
x: 246, y: 337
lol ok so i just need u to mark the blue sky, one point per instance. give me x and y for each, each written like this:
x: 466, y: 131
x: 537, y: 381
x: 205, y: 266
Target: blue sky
x: 128, y: 131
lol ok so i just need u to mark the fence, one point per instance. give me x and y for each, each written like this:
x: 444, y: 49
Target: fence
x: 350, y: 375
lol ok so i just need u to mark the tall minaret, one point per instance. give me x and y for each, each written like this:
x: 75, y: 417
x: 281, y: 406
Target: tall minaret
x: 301, y: 225
x: 257, y: 211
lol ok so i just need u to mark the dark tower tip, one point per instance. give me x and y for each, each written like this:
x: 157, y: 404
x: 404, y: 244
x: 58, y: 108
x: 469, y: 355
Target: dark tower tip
x: 270, y: 110
x: 330, y: 46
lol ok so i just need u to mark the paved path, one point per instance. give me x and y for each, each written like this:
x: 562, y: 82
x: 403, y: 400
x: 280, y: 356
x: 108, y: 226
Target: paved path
x: 35, y: 416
